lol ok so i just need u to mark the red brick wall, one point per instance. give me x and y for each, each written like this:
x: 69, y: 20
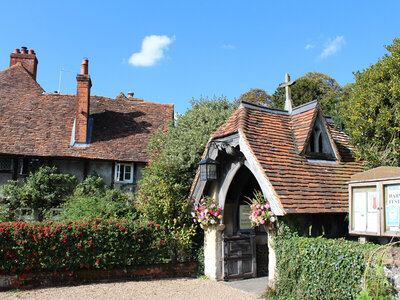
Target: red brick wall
x: 46, y: 279
x: 83, y: 95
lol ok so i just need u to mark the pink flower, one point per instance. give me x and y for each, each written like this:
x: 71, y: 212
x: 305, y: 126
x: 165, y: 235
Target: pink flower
x: 258, y: 205
x: 195, y: 220
x: 267, y: 206
x: 262, y: 221
x: 212, y: 205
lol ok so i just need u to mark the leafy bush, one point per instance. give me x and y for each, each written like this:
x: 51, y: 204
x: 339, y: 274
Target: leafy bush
x: 93, y: 199
x: 319, y: 268
x: 71, y: 246
x: 42, y: 190
x: 162, y: 193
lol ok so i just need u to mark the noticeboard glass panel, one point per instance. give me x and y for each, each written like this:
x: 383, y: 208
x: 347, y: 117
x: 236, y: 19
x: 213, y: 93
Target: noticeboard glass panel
x: 364, y: 210
x: 392, y: 207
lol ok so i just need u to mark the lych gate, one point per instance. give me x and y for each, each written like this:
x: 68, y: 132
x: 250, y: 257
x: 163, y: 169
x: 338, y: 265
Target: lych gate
x: 234, y: 250
x: 297, y: 159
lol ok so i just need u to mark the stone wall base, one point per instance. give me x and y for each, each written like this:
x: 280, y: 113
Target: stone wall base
x: 47, y: 279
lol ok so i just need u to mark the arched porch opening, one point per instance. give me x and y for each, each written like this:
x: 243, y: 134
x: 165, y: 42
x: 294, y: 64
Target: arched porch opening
x: 245, y: 248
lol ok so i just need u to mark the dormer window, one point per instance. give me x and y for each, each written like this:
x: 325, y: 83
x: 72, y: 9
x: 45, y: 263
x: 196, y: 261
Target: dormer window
x: 319, y: 145
x: 124, y: 172
x: 316, y: 144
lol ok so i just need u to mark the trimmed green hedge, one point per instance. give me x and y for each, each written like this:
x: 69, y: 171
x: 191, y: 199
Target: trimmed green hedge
x: 318, y: 268
x: 70, y: 246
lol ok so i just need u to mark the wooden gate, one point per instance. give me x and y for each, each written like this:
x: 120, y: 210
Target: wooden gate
x: 239, y: 257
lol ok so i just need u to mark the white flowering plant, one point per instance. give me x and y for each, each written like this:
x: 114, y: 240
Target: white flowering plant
x: 260, y: 210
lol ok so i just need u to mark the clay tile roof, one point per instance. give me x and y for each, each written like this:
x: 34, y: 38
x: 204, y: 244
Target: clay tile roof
x: 275, y: 137
x: 121, y: 96
x: 38, y: 124
x: 301, y: 122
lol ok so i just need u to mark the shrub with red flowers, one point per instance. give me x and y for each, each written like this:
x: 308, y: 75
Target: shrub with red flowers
x: 260, y: 210
x: 207, y: 212
x: 71, y: 246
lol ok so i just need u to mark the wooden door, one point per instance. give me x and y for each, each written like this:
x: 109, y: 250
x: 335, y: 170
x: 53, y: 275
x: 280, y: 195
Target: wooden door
x: 239, y: 260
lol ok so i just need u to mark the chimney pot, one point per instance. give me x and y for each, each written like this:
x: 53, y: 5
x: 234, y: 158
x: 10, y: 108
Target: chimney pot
x: 29, y: 61
x: 130, y: 94
x: 85, y: 66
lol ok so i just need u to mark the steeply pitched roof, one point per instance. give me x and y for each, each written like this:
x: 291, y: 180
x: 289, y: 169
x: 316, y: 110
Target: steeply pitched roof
x: 38, y: 124
x: 277, y: 139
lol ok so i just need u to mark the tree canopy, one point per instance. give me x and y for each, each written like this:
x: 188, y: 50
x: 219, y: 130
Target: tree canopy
x: 312, y: 86
x: 372, y: 111
x: 257, y: 96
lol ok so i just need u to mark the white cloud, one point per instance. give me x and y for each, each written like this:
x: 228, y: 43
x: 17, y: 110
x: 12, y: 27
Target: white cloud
x: 227, y: 46
x: 153, y: 47
x: 309, y: 46
x: 333, y: 46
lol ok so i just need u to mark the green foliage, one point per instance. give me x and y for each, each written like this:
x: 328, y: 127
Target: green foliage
x: 257, y: 96
x: 71, y: 246
x: 42, y: 190
x: 372, y: 112
x: 312, y: 86
x: 375, y: 284
x: 162, y: 193
x: 93, y: 199
x: 319, y: 268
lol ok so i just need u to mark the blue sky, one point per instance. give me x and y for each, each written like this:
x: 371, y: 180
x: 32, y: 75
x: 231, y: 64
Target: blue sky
x: 172, y: 51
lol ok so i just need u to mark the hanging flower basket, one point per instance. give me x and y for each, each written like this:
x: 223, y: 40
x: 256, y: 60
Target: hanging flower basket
x: 207, y: 213
x: 260, y: 212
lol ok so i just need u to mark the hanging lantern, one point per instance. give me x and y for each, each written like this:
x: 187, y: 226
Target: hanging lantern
x: 208, y: 169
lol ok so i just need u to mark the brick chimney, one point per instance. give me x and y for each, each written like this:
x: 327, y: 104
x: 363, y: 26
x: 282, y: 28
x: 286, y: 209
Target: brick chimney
x: 84, y: 84
x: 26, y: 58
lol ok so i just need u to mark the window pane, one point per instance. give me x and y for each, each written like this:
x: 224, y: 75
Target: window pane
x: 5, y: 164
x: 121, y: 173
x: 127, y: 173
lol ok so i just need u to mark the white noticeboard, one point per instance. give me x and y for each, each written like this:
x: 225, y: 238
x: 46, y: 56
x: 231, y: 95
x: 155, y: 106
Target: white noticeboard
x: 374, y: 203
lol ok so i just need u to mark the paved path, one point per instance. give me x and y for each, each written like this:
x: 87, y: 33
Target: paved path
x: 256, y: 286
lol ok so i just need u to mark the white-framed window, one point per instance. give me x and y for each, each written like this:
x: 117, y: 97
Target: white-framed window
x: 124, y: 172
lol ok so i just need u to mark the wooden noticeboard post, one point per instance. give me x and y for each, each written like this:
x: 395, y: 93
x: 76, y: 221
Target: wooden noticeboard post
x: 374, y: 202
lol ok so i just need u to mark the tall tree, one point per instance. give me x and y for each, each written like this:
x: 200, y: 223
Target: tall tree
x: 257, y: 96
x: 372, y: 112
x: 312, y: 86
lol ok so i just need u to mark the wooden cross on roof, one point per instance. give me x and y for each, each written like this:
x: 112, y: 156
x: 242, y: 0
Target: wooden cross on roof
x: 286, y: 85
